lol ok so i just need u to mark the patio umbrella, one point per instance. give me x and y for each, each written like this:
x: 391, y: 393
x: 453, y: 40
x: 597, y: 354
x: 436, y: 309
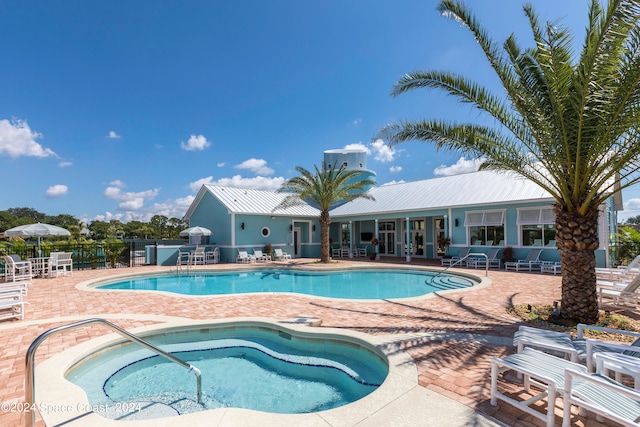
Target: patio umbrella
x: 37, y: 230
x: 196, y: 231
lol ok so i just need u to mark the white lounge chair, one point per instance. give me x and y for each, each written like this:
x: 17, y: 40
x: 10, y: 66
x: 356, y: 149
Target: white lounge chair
x: 281, y: 255
x: 540, y: 370
x: 260, y: 257
x: 15, y: 269
x: 578, y: 350
x: 60, y: 262
x: 531, y: 262
x: 455, y: 260
x: 619, y: 273
x: 601, y: 395
x: 244, y: 258
x: 623, y: 295
x: 12, y: 305
x: 481, y: 262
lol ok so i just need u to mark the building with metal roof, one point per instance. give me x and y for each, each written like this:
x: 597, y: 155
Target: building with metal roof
x: 431, y: 218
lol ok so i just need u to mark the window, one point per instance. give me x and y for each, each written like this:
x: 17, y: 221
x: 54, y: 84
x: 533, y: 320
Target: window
x: 485, y: 227
x: 345, y: 234
x: 537, y: 226
x: 265, y: 231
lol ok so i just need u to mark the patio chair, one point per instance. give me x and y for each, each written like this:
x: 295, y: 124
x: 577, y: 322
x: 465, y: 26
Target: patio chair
x: 531, y: 261
x: 601, y: 395
x: 15, y: 269
x: 336, y: 252
x: 281, y: 255
x: 619, y: 273
x: 480, y: 262
x: 184, y: 258
x: 60, y: 262
x: 244, y: 258
x: 260, y: 257
x: 464, y: 252
x: 197, y: 256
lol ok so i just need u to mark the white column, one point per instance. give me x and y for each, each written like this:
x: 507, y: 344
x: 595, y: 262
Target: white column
x: 375, y: 233
x: 350, y: 239
x: 408, y: 237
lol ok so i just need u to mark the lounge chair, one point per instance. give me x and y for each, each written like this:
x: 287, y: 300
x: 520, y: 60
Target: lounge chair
x: 623, y: 295
x: 551, y: 267
x: 213, y: 257
x: 244, y: 258
x: 531, y: 262
x: 619, y: 273
x: 601, y: 395
x: 464, y: 252
x: 12, y: 305
x: 281, y: 255
x: 480, y: 262
x: 578, y: 350
x: 260, y: 257
x: 61, y: 262
x: 540, y: 370
x: 15, y: 269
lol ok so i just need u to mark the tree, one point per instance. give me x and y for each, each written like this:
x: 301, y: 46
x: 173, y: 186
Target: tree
x: 568, y: 123
x: 324, y: 189
x: 159, y: 222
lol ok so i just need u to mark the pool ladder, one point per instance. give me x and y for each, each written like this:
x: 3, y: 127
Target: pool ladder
x: 30, y: 420
x: 465, y: 257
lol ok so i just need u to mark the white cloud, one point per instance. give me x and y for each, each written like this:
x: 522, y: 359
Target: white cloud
x: 632, y: 204
x: 195, y: 185
x: 57, y: 190
x: 65, y: 164
x: 395, y: 169
x: 17, y: 139
x: 113, y: 135
x: 257, y: 183
x: 461, y: 166
x: 358, y: 146
x: 356, y: 122
x: 170, y: 208
x: 257, y: 166
x: 195, y: 143
x: 221, y: 164
x: 128, y: 201
x: 383, y: 152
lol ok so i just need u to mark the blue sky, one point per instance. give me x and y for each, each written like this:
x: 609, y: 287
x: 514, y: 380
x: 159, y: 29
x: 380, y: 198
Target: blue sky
x: 123, y: 109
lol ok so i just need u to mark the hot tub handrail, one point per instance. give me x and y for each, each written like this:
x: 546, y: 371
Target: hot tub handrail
x: 30, y: 420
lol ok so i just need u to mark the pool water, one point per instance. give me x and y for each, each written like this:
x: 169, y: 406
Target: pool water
x: 259, y: 369
x: 362, y: 284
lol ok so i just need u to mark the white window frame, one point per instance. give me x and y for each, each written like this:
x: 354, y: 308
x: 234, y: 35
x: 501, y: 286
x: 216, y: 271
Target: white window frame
x: 539, y: 215
x: 488, y: 218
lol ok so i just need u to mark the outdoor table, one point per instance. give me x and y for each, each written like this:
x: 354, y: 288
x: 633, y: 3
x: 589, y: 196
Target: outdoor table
x: 41, y: 266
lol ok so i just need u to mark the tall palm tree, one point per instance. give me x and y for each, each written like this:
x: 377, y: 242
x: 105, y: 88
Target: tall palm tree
x: 324, y: 189
x: 568, y: 123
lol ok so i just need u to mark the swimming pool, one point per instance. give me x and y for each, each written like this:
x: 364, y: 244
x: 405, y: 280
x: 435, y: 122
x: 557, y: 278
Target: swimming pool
x: 352, y: 284
x: 258, y: 366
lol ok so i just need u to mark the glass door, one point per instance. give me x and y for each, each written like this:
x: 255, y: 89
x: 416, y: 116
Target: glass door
x: 387, y: 237
x: 440, y: 233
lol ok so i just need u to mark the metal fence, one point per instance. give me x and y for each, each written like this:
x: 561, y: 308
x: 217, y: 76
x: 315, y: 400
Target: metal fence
x: 95, y: 255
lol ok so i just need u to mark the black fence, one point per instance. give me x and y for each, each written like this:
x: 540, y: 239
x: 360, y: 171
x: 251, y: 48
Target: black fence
x: 95, y: 255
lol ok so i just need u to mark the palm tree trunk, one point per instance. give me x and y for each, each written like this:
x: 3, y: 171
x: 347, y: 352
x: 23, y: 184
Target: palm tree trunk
x: 577, y: 239
x: 325, y: 225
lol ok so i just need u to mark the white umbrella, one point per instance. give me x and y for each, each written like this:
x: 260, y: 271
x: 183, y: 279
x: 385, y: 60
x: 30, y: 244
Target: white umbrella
x: 37, y: 230
x: 196, y: 231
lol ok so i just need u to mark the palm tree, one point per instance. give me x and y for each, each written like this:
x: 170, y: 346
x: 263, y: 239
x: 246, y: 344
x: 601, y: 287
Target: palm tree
x: 567, y: 122
x: 324, y: 189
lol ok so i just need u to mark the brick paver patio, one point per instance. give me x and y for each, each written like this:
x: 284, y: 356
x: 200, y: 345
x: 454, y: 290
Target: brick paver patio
x: 435, y: 331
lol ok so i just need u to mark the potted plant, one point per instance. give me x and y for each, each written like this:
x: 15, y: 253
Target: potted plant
x: 507, y: 254
x: 373, y: 254
x: 444, y: 242
x: 268, y: 249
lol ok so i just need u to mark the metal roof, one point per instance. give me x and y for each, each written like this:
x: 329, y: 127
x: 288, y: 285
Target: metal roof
x: 259, y: 202
x: 477, y: 188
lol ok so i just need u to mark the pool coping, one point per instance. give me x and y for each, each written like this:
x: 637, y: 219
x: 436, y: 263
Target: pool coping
x: 62, y: 402
x: 482, y: 281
